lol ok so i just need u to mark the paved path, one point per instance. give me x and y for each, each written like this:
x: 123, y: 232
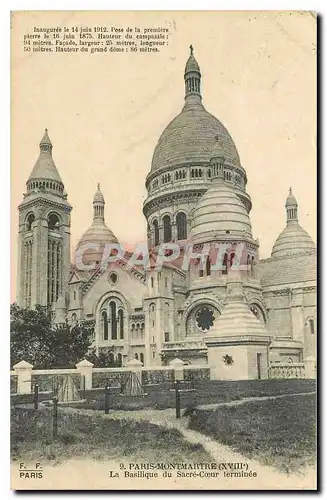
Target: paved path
x: 268, y: 477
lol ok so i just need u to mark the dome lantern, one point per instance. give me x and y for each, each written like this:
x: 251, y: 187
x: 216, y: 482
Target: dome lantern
x: 291, y: 207
x: 192, y: 77
x: 46, y: 144
x: 98, y: 205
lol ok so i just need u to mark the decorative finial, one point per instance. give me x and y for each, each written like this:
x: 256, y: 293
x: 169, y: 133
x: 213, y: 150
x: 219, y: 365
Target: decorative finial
x: 46, y: 130
x: 98, y: 186
x: 191, y: 49
x: 290, y: 190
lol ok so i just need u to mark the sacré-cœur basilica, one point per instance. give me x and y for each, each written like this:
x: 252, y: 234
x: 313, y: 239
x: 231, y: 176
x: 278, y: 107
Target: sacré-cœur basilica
x: 240, y: 315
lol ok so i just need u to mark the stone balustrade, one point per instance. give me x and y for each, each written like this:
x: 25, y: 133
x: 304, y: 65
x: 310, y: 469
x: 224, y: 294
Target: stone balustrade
x: 287, y: 370
x: 187, y: 344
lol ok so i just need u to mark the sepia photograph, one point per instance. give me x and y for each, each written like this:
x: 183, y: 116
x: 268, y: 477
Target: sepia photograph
x: 163, y: 317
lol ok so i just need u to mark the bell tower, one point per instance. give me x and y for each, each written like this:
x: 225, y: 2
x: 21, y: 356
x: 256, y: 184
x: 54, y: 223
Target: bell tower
x: 43, y: 234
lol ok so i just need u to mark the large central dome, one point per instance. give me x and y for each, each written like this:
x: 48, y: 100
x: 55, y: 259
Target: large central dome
x: 189, y: 137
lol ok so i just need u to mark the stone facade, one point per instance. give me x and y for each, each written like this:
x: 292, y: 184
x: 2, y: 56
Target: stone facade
x: 196, y: 195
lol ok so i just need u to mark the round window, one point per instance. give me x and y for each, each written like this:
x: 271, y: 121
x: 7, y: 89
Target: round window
x: 113, y: 278
x: 204, y: 319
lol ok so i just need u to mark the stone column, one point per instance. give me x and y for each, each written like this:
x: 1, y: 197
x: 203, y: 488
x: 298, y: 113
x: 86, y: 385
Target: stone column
x: 147, y: 340
x: 23, y: 370
x: 85, y: 368
x: 178, y: 366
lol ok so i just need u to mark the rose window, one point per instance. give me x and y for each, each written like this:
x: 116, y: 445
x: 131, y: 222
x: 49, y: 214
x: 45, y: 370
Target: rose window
x: 204, y: 319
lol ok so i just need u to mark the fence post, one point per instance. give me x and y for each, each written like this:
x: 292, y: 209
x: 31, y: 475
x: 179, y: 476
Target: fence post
x: 178, y: 399
x: 55, y: 418
x: 106, y: 399
x: 84, y: 368
x: 83, y: 386
x: 23, y: 370
x: 134, y: 365
x: 178, y: 366
x: 36, y: 397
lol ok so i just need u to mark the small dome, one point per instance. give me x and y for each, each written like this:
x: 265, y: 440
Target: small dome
x: 192, y: 65
x: 292, y: 240
x: 98, y: 197
x: 219, y: 212
x: 97, y: 237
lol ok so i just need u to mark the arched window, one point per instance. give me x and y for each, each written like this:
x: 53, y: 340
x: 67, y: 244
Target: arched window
x: 167, y: 317
x: 111, y: 359
x: 252, y: 266
x: 200, y: 266
x: 224, y: 270
x: 29, y: 222
x: 151, y: 282
x: 74, y: 295
x: 142, y: 357
x: 121, y: 323
x: 136, y: 356
x: 105, y: 325
x: 119, y: 359
x: 249, y: 265
x: 181, y: 224
x: 113, y: 320
x: 54, y: 275
x: 156, y: 232
x: 167, y: 228
x: 312, y: 326
x: 208, y: 266
x: 53, y: 222
x: 255, y: 311
x: 74, y: 317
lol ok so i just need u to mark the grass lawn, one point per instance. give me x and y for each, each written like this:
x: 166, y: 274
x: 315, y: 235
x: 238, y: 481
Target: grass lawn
x: 96, y: 438
x: 279, y: 432
x: 206, y: 392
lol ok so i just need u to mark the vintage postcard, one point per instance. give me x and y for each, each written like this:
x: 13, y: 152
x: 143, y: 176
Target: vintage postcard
x: 163, y: 305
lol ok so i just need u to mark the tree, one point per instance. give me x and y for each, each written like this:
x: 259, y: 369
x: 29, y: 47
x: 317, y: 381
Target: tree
x: 105, y: 358
x: 35, y: 339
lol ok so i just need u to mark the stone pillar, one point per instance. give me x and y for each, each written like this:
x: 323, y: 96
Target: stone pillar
x: 23, y: 370
x: 178, y: 366
x: 310, y: 367
x: 85, y: 368
x: 147, y: 339
x: 134, y: 365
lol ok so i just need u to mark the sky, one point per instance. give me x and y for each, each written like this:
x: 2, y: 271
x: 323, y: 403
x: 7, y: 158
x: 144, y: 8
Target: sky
x: 105, y: 112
